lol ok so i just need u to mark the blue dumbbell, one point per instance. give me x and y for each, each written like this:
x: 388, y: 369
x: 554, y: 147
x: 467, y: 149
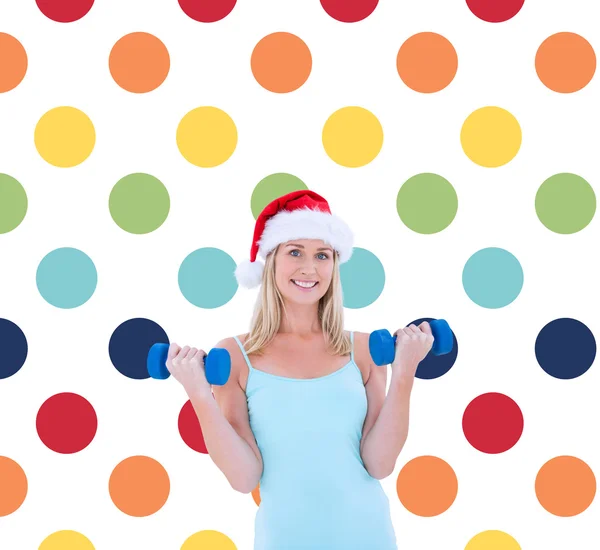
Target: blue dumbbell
x: 217, y: 364
x: 382, y: 344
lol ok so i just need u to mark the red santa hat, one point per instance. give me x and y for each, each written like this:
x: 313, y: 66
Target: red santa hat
x: 298, y: 215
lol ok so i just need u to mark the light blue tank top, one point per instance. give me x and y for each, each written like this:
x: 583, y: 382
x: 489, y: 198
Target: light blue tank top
x: 315, y: 491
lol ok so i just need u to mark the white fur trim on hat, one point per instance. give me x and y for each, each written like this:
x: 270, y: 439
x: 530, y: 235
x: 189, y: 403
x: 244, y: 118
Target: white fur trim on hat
x: 249, y: 274
x: 306, y: 223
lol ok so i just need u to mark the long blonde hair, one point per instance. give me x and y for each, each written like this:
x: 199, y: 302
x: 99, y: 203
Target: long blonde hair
x: 270, y: 309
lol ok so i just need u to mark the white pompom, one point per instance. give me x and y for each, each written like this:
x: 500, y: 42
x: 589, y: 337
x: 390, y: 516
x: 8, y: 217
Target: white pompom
x: 249, y: 274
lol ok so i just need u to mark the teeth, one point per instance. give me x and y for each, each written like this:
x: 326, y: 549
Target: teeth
x: 304, y: 285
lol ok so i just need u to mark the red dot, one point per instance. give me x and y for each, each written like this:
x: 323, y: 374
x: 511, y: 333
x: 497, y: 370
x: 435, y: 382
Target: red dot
x: 64, y: 11
x: 492, y: 423
x: 66, y: 423
x: 495, y: 11
x: 207, y: 11
x: 190, y: 430
x: 349, y: 11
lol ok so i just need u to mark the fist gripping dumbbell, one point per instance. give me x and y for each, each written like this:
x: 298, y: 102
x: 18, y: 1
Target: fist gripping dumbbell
x: 382, y: 345
x: 217, y: 364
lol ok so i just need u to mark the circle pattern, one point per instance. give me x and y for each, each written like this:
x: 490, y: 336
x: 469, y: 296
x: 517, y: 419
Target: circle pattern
x: 65, y: 137
x: 284, y: 69
x: 281, y: 62
x: 491, y: 137
x: 427, y: 62
x: 207, y: 137
x: 139, y: 62
x: 13, y: 62
x: 352, y: 137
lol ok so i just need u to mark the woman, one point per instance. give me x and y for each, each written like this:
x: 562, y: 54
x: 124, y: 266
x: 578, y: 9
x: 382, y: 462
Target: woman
x: 305, y: 412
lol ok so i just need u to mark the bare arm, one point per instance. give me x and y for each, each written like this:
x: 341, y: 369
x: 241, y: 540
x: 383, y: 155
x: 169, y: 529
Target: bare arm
x: 385, y: 429
x: 226, y: 427
x: 383, y: 443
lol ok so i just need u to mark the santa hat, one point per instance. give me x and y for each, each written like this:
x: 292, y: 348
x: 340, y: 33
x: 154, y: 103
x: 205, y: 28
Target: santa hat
x: 298, y: 215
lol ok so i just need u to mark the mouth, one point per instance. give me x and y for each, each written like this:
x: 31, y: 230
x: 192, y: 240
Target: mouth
x: 306, y: 286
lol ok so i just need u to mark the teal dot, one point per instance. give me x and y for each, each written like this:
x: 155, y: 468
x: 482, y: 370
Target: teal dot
x: 492, y: 277
x: 207, y: 278
x: 363, y: 278
x: 66, y: 278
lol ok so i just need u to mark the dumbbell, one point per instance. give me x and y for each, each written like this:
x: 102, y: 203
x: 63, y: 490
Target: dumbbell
x: 217, y: 364
x: 382, y: 345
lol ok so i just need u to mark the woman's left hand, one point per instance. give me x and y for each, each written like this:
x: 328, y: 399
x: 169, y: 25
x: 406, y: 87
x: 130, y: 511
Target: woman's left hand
x: 412, y: 346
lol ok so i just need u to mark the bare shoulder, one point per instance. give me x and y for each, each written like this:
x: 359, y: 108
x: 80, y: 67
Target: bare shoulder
x: 237, y: 357
x: 231, y: 397
x: 362, y: 355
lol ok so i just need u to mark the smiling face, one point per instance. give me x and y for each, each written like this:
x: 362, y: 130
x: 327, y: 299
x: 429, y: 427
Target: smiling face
x: 301, y: 263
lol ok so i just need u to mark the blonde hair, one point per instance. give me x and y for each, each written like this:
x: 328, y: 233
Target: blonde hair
x: 270, y: 308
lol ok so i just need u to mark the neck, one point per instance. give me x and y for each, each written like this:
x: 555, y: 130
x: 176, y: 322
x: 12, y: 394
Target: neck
x: 301, y: 320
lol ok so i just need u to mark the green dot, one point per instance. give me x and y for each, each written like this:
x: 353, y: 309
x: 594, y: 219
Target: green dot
x: 363, y: 279
x: 66, y: 277
x: 272, y: 187
x: 565, y: 203
x: 139, y: 203
x: 13, y: 203
x: 427, y: 203
x: 207, y: 278
x: 492, y: 278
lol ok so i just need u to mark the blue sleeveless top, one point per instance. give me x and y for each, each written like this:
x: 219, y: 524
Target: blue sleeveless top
x: 315, y: 491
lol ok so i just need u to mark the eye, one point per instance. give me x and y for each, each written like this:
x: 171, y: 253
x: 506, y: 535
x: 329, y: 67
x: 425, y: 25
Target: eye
x: 320, y: 253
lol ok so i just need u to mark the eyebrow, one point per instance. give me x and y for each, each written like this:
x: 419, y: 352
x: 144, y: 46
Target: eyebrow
x: 302, y: 246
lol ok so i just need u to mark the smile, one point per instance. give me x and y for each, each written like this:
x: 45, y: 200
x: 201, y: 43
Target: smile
x: 305, y: 286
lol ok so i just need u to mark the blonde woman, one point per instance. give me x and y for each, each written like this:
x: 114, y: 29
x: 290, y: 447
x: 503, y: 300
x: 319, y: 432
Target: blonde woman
x: 305, y: 412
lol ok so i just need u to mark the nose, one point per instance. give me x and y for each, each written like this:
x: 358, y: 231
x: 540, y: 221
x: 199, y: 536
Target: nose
x: 308, y: 267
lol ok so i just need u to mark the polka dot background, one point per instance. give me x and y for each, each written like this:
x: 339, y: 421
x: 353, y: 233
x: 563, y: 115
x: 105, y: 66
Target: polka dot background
x: 139, y: 147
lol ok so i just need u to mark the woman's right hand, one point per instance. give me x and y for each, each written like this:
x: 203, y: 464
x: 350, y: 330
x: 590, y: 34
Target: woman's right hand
x: 187, y: 367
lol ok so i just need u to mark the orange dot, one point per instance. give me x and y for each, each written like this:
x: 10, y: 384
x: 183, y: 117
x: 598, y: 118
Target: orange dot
x: 13, y: 486
x: 427, y: 62
x: 427, y: 486
x: 565, y: 486
x: 139, y: 62
x: 139, y: 486
x: 256, y: 494
x: 281, y: 62
x: 565, y: 62
x: 13, y: 62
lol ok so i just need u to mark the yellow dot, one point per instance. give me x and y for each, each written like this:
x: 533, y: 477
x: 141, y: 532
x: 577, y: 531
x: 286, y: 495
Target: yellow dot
x: 492, y: 540
x: 491, y: 136
x: 352, y: 136
x: 64, y: 137
x: 66, y: 540
x: 203, y: 540
x: 206, y: 136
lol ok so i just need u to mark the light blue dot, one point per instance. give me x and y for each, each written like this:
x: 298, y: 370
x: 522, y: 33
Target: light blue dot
x: 207, y: 278
x: 66, y: 277
x: 363, y: 278
x: 492, y: 277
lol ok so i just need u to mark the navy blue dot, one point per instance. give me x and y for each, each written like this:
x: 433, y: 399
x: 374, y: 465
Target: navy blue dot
x: 13, y: 348
x: 565, y: 348
x: 434, y: 366
x: 130, y: 343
